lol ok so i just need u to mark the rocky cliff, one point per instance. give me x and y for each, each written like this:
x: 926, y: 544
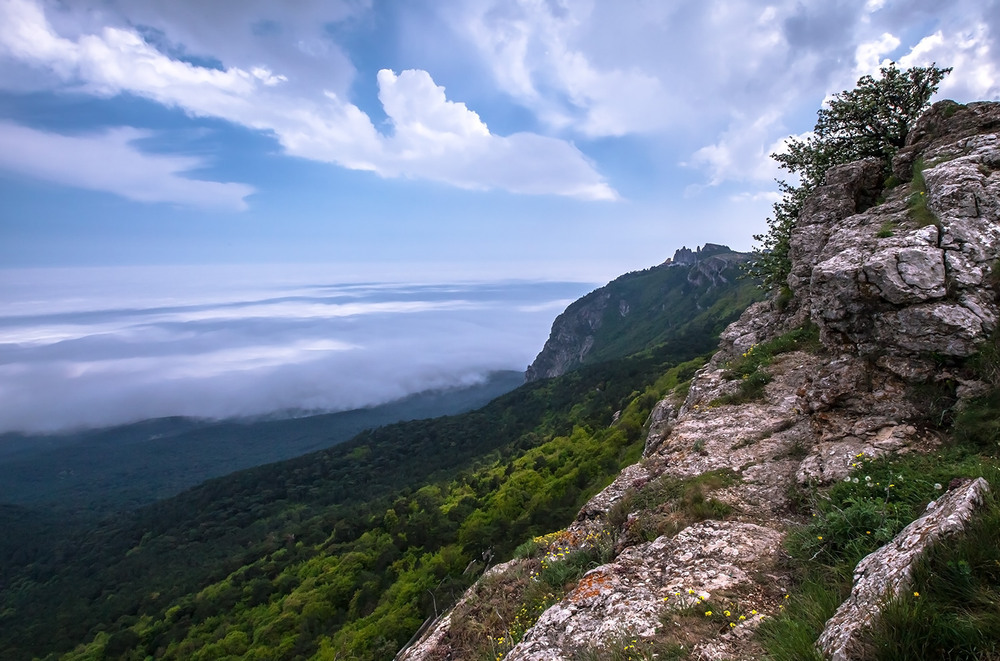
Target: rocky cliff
x: 684, y: 297
x: 891, y: 290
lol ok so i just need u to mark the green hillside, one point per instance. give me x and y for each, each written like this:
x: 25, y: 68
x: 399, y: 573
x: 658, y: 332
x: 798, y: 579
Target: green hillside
x: 91, y: 474
x: 345, y: 552
x: 670, y: 303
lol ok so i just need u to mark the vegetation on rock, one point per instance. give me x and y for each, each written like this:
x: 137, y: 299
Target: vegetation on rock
x: 870, y: 121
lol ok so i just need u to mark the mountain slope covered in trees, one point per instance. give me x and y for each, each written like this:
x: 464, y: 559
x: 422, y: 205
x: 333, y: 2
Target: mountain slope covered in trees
x: 685, y: 299
x: 342, y: 553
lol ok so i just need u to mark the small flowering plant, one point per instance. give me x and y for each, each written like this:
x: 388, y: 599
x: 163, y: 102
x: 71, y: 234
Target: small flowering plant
x: 869, y: 506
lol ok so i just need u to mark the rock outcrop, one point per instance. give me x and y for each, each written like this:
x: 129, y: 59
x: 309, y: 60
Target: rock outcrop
x: 888, y: 571
x: 896, y: 282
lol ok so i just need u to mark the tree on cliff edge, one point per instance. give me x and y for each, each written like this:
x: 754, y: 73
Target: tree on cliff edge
x: 870, y: 120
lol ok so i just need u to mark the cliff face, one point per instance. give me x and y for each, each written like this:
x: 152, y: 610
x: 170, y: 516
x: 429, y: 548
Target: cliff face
x: 889, y: 290
x: 640, y: 309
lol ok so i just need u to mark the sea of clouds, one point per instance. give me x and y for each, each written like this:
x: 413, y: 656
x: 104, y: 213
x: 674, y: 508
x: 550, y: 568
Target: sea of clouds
x: 97, y: 347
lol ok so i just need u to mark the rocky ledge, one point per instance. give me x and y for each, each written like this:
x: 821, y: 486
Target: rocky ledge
x: 889, y: 279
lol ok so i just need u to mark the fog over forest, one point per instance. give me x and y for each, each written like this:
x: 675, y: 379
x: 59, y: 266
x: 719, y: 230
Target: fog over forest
x: 94, y: 348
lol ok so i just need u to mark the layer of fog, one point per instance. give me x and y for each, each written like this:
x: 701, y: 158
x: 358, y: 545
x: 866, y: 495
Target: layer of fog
x: 96, y: 348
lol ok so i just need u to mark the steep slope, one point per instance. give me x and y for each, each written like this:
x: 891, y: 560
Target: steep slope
x: 808, y: 427
x: 683, y: 301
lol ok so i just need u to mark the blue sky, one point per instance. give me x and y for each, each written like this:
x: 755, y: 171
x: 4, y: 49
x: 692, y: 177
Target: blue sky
x: 483, y: 138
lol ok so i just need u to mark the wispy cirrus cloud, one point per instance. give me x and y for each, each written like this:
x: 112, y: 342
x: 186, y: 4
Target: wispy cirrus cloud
x: 111, y: 162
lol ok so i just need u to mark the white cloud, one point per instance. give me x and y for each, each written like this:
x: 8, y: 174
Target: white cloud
x: 976, y: 73
x: 528, y: 46
x: 117, y: 359
x: 434, y: 138
x: 826, y: 51
x: 765, y: 196
x: 110, y: 162
x: 743, y: 152
x: 450, y: 143
x: 869, y: 55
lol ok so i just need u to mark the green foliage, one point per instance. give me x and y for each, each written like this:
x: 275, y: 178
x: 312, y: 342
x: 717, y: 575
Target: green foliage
x: 886, y: 230
x: 871, y: 120
x: 854, y: 518
x: 761, y: 355
x: 91, y: 474
x: 345, y: 552
x: 669, y: 504
x: 751, y: 389
x: 627, y: 647
x: 917, y: 201
x: 662, y: 307
x: 977, y: 423
x: 791, y: 636
x: 569, y: 568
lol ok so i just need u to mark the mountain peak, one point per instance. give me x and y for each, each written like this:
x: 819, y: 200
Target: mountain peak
x: 684, y: 256
x: 683, y: 299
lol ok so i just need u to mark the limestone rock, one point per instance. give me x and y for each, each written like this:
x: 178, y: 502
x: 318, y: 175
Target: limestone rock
x: 889, y: 297
x: 660, y: 424
x: 629, y: 595
x: 887, y: 572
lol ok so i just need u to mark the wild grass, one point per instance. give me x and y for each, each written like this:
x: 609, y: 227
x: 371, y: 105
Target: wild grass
x: 953, y: 609
x: 669, y: 504
x: 750, y: 366
x: 626, y: 647
x: 917, y: 202
x: 886, y: 230
x: 497, y: 613
x: 861, y: 514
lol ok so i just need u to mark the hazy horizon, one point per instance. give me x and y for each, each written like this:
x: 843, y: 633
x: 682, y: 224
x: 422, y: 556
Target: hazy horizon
x: 106, y: 351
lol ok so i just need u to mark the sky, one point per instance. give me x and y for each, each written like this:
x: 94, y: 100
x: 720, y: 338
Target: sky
x: 192, y: 191
x: 526, y: 138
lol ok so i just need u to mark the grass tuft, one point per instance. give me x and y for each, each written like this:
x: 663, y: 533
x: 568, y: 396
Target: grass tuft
x: 917, y: 202
x: 749, y: 366
x: 886, y: 230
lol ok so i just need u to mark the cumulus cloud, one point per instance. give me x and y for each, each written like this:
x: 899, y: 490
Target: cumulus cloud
x: 434, y: 138
x: 111, y: 162
x: 976, y: 72
x: 745, y: 72
x: 825, y: 50
x: 103, y: 359
x: 742, y: 153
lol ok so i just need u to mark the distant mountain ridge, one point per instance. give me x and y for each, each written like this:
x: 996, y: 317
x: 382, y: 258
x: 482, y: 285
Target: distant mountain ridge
x: 693, y: 292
